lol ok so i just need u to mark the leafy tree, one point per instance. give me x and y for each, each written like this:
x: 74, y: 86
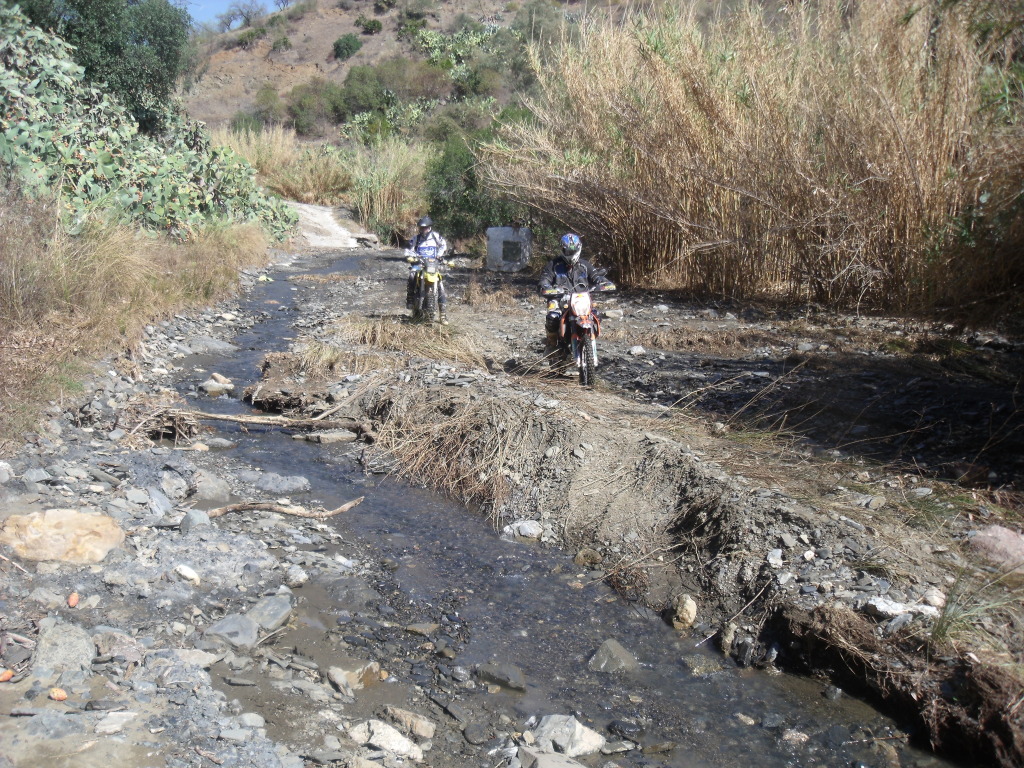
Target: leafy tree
x: 139, y: 48
x: 345, y: 47
x: 369, y: 26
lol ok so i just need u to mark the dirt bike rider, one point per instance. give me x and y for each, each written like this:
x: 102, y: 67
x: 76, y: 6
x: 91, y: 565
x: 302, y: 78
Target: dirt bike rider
x: 562, y: 273
x: 428, y: 244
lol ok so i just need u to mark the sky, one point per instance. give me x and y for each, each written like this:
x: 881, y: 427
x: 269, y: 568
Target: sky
x: 208, y: 10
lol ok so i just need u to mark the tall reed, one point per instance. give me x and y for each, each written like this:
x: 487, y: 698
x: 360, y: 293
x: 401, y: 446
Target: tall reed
x: 307, y: 173
x: 389, y: 189
x: 841, y: 153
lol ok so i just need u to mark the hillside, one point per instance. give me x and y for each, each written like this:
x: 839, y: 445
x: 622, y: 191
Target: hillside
x: 231, y: 75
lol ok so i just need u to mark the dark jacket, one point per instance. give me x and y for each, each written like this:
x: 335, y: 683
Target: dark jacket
x: 559, y: 274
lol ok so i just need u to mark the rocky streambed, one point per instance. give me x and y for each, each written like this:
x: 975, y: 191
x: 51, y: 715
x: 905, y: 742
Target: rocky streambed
x: 165, y: 631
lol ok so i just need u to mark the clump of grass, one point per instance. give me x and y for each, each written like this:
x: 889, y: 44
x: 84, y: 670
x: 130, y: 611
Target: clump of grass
x: 395, y: 334
x: 478, y: 296
x: 307, y: 174
x: 389, y: 190
x: 64, y: 297
x: 318, y: 358
x: 971, y: 602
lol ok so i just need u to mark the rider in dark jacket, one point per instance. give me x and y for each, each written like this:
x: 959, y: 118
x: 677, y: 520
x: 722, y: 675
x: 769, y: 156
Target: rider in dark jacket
x: 563, y: 273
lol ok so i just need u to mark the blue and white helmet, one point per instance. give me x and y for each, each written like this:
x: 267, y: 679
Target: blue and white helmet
x: 571, y: 247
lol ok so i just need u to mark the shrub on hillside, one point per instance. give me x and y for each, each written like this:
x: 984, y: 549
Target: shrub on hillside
x: 369, y: 26
x: 346, y: 46
x: 314, y: 103
x: 282, y: 43
x: 383, y: 6
x: 248, y: 38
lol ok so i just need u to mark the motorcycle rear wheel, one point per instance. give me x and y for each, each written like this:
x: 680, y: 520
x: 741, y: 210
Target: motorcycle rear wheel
x: 588, y: 374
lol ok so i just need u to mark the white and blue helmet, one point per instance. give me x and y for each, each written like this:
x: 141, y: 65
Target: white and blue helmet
x: 571, y: 247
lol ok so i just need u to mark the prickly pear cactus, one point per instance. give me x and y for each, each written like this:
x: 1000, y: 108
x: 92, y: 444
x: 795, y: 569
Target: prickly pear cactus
x: 62, y: 135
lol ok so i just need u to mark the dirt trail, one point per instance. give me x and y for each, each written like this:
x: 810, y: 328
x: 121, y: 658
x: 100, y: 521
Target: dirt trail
x: 791, y: 552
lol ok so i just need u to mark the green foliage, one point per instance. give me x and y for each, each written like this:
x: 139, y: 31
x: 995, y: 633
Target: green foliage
x: 346, y: 46
x: 269, y: 109
x: 369, y: 26
x: 458, y: 200
x: 282, y: 44
x: 138, y: 49
x: 245, y: 121
x: 298, y: 10
x: 251, y: 36
x: 383, y: 6
x: 313, y: 103
x: 58, y: 133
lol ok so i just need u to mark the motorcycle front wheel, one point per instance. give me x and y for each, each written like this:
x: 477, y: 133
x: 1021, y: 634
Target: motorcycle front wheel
x: 588, y: 364
x: 430, y: 303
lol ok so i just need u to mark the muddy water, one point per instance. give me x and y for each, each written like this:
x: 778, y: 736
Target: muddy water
x: 534, y: 608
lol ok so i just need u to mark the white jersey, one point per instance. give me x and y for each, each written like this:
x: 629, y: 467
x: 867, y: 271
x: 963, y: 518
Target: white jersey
x: 429, y: 246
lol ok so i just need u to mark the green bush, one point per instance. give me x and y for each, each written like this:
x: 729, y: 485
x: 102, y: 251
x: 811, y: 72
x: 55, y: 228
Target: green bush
x: 250, y: 37
x: 282, y: 44
x: 244, y: 122
x: 459, y: 203
x: 60, y: 135
x: 314, y: 103
x: 369, y: 26
x: 346, y: 46
x: 269, y: 109
x: 383, y: 6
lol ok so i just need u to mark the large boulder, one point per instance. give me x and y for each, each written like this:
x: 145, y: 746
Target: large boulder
x: 62, y: 534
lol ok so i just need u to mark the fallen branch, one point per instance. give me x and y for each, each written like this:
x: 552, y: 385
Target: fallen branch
x: 283, y: 509
x: 268, y: 421
x: 16, y: 565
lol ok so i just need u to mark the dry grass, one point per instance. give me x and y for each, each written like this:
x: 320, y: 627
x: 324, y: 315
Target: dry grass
x: 67, y: 298
x: 316, y: 174
x: 848, y: 154
x: 389, y: 191
x: 397, y: 334
x: 481, y: 297
x: 318, y: 358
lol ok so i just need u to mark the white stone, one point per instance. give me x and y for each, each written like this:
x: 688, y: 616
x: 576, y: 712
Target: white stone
x: 114, y: 722
x: 567, y: 735
x: 378, y: 734
x: 187, y: 573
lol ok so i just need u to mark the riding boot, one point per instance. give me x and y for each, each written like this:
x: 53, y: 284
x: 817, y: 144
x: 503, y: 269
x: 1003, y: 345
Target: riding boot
x: 442, y: 312
x: 550, y: 343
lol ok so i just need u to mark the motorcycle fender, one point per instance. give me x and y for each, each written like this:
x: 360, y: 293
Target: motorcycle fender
x: 431, y: 277
x: 597, y: 326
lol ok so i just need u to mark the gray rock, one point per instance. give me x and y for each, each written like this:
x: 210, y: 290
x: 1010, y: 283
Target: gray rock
x: 271, y: 612
x: 36, y: 475
x: 238, y: 630
x: 206, y: 345
x: 475, y: 733
x: 503, y: 674
x: 236, y: 735
x: 332, y: 436
x: 215, y: 388
x: 220, y: 443
x: 137, y: 496
x: 61, y: 648
x: 275, y: 483
x: 613, y: 657
x: 377, y: 733
x: 637, y: 350
x: 6, y: 473
x: 251, y: 720
x: 193, y: 518
x: 159, y: 503
x: 209, y: 487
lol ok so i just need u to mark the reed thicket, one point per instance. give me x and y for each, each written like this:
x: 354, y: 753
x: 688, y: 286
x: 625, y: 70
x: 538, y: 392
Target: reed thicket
x: 383, y: 181
x: 863, y: 153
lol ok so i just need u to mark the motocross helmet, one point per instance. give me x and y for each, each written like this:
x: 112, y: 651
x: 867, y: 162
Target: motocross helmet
x: 571, y: 248
x: 425, y: 223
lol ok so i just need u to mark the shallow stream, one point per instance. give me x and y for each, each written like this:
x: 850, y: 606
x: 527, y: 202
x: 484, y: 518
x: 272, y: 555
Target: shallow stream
x: 532, y: 607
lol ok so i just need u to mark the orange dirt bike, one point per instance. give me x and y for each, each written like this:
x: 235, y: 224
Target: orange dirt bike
x: 429, y: 272
x: 580, y: 326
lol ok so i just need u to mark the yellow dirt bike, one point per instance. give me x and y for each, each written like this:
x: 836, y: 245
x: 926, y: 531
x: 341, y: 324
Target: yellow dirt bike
x: 428, y: 272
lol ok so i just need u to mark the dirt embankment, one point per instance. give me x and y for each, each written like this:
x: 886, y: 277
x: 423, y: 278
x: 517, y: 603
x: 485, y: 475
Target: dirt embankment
x: 785, y: 551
